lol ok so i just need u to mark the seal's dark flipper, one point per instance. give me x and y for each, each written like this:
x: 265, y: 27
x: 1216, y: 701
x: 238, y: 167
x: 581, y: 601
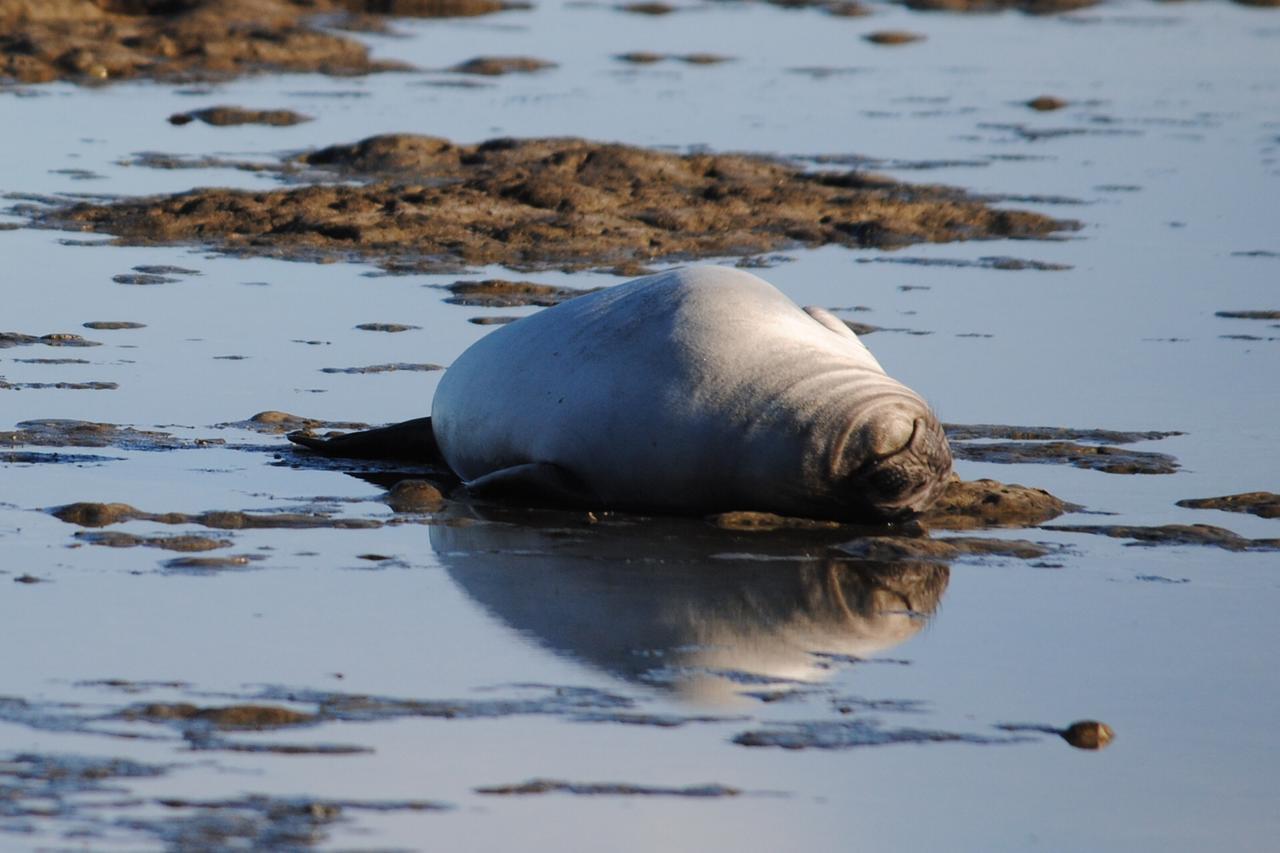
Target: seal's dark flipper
x: 536, y: 481
x: 409, y: 440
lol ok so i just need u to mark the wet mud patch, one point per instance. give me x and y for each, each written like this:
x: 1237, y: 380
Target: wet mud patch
x: 226, y: 718
x: 1030, y: 7
x: 272, y: 422
x: 1106, y: 458
x: 223, y: 116
x: 52, y: 361
x: 891, y: 548
x: 105, y: 514
x: 386, y: 327
x: 661, y: 721
x: 1059, y: 445
x: 893, y: 38
x: 209, y: 565
x: 971, y: 432
x: 40, y: 786
x: 399, y: 366
x: 59, y: 386
x: 1249, y: 315
x: 38, y: 458
x: 117, y: 539
x: 92, y: 42
x: 57, y: 432
x: 1047, y: 103
x: 1173, y: 534
x: 429, y: 205
x: 547, y: 700
x: 611, y: 789
x: 142, y: 278
x: 646, y: 57
x: 497, y: 66
x: 503, y: 293
x: 53, y: 339
x: 260, y: 822
x: 1263, y: 504
x: 851, y: 734
x: 970, y: 504
x: 993, y: 262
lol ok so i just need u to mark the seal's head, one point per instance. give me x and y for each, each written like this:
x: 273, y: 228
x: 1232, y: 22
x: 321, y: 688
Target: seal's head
x: 895, y: 460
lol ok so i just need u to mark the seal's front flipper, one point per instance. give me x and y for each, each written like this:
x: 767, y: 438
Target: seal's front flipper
x: 409, y: 440
x: 841, y: 328
x: 535, y: 481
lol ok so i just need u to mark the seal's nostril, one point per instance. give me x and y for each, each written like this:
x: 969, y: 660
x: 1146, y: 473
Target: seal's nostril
x: 893, y: 435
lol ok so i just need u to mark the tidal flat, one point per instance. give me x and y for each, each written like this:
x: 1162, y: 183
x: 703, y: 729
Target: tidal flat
x: 222, y: 222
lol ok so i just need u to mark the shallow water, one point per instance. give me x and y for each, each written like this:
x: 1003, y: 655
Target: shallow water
x: 1173, y: 149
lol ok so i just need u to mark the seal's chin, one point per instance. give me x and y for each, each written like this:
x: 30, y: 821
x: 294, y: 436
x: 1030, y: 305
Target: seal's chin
x: 908, y: 480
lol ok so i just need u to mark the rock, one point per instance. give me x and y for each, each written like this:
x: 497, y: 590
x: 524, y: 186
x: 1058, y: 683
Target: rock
x: 1264, y: 504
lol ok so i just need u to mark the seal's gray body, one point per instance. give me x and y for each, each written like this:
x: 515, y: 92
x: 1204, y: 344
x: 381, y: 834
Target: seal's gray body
x: 698, y: 390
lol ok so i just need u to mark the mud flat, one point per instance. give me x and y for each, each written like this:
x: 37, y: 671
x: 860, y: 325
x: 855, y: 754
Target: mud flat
x: 426, y: 204
x: 87, y: 42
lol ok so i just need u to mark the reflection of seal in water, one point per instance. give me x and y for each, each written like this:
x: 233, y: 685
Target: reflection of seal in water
x: 705, y: 613
x: 694, y: 390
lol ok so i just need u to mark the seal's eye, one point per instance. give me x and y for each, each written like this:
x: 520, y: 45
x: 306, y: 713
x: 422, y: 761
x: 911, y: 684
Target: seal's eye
x: 893, y: 434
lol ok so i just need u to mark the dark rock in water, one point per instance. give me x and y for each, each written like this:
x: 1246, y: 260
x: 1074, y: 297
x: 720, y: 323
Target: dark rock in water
x: 165, y: 269
x: 274, y: 422
x: 415, y: 496
x: 386, y: 327
x: 1173, y: 534
x: 492, y: 321
x: 893, y: 37
x: 648, y: 8
x: 1083, y: 734
x: 427, y: 204
x: 1088, y: 734
x: 230, y: 116
x: 1046, y: 103
x: 1249, y: 315
x: 966, y: 505
x: 113, y: 324
x: 142, y: 278
x: 495, y: 66
x: 1264, y: 504
x: 547, y: 786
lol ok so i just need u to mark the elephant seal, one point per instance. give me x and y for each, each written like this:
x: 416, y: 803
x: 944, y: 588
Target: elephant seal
x: 695, y: 390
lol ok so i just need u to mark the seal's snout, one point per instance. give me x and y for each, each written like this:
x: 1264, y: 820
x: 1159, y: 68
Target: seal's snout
x: 894, y: 435
x: 908, y: 469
